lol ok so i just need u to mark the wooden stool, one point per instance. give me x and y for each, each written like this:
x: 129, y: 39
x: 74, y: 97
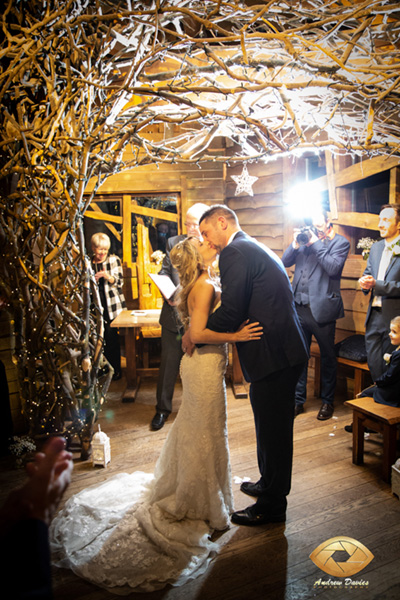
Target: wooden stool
x: 380, y: 418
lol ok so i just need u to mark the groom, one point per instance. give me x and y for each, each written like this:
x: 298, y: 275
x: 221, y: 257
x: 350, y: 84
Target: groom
x: 255, y: 286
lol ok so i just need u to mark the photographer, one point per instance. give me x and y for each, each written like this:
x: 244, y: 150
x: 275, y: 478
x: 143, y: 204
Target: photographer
x: 318, y: 254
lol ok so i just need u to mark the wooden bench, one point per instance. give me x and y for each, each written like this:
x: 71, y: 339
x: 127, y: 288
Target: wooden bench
x: 380, y: 418
x: 360, y: 368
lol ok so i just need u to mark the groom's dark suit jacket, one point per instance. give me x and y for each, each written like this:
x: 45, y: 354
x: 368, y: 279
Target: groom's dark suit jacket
x: 255, y: 286
x: 389, y: 288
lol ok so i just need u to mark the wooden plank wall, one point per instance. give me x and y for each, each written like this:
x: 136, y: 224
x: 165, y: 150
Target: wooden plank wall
x: 260, y: 215
x: 347, y: 170
x: 203, y: 184
x: 197, y: 182
x: 355, y: 302
x: 265, y: 216
x: 190, y: 181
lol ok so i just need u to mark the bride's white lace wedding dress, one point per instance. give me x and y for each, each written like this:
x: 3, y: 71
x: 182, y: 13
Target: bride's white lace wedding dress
x: 141, y: 530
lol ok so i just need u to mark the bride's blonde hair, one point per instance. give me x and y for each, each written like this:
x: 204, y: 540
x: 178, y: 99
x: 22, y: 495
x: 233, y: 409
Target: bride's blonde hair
x: 189, y: 263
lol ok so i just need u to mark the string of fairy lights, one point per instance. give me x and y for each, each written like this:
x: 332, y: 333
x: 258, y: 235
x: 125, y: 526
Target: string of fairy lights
x: 58, y: 397
x: 80, y: 92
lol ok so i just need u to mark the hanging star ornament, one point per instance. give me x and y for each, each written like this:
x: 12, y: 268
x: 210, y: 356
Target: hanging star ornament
x: 244, y: 182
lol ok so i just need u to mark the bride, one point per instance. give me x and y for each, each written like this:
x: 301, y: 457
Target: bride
x: 142, y: 531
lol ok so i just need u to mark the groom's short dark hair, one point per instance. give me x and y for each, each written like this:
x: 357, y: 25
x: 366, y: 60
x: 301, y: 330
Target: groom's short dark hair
x: 220, y: 210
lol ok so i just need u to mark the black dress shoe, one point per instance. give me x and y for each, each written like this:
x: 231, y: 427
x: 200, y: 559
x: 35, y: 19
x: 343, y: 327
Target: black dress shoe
x: 325, y: 412
x: 159, y: 420
x: 117, y: 375
x: 349, y: 429
x: 298, y: 409
x: 250, y: 517
x: 252, y: 489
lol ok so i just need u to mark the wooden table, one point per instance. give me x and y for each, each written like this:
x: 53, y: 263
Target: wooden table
x: 131, y: 321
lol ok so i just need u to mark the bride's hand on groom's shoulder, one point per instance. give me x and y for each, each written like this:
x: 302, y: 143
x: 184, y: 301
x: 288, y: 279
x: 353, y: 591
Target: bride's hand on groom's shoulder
x: 249, y: 331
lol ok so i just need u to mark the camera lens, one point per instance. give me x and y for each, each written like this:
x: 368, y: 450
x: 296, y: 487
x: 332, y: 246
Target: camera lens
x: 303, y: 237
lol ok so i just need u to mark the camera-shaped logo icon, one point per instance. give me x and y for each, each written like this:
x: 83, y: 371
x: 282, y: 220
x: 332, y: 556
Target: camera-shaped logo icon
x: 341, y: 556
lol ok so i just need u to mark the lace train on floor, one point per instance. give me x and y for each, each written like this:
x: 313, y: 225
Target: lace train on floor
x: 143, y: 531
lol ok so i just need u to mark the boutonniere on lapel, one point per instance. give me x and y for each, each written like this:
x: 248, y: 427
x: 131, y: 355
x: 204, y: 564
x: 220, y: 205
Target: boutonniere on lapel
x: 387, y: 357
x: 396, y: 249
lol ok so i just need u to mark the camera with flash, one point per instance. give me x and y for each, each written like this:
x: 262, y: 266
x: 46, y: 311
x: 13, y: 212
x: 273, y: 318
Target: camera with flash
x: 304, y: 235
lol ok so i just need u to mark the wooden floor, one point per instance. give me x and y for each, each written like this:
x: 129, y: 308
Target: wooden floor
x: 330, y: 497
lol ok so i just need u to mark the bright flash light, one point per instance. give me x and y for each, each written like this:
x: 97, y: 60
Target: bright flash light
x: 304, y: 200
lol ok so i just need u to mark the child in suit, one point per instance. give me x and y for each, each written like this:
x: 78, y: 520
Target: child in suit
x: 387, y: 387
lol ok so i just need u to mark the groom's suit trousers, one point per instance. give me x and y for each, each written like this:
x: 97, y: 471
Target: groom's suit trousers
x: 272, y: 401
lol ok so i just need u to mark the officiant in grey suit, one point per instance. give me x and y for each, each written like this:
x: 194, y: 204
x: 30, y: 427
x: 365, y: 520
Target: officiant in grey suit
x: 381, y: 279
x: 255, y: 286
x: 171, y: 327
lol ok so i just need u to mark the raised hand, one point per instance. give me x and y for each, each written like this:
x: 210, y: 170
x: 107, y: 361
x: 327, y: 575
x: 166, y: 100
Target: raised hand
x: 49, y: 476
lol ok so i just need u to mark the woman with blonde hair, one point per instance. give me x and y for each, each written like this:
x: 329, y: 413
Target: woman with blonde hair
x: 108, y: 274
x: 141, y: 531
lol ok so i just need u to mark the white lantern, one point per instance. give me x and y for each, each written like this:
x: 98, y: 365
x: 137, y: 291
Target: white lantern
x: 101, y: 453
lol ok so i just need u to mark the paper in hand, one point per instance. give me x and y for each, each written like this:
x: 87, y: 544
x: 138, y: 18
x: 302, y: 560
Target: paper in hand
x: 164, y: 284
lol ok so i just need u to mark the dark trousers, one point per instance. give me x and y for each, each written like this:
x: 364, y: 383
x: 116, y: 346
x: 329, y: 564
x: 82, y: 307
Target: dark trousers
x: 325, y: 336
x: 112, y: 348
x: 377, y: 343
x: 272, y: 401
x: 171, y: 354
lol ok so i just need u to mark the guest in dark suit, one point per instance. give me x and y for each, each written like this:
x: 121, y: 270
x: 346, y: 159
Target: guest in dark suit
x: 24, y: 523
x: 316, y: 286
x: 255, y: 286
x: 171, y: 327
x: 381, y: 279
